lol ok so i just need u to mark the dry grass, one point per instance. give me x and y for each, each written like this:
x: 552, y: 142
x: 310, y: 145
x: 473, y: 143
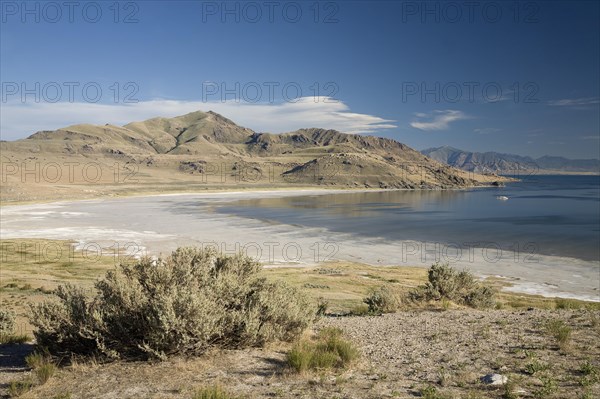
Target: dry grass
x: 26, y: 278
x: 213, y: 392
x: 560, y: 331
x: 326, y: 351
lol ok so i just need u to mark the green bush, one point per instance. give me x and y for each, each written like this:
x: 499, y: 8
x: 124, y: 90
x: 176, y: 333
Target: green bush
x: 444, y: 282
x: 328, y: 350
x: 383, y: 300
x: 183, y: 304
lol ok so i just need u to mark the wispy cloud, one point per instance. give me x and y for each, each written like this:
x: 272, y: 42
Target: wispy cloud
x: 19, y: 120
x: 487, y: 130
x: 437, y: 120
x: 590, y: 137
x: 575, y: 102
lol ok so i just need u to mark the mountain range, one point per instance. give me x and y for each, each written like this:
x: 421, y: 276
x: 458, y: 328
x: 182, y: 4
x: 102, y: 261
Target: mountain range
x: 509, y: 164
x: 206, y: 150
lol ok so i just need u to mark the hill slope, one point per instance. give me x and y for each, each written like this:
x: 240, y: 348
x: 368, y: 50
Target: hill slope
x: 206, y: 150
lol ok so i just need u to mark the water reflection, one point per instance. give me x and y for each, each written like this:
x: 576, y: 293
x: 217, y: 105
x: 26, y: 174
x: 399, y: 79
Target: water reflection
x: 363, y: 204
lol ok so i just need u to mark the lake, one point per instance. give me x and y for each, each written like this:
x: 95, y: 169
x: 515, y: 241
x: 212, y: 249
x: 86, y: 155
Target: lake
x: 543, y: 239
x: 549, y: 215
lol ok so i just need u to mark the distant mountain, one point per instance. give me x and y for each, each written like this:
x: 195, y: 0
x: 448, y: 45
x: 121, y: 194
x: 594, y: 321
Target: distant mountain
x: 205, y: 147
x: 507, y: 164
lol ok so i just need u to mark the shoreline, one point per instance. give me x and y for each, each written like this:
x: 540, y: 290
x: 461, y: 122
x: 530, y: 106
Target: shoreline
x: 230, y: 190
x: 275, y: 245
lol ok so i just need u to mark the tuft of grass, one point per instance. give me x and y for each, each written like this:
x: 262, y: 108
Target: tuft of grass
x: 18, y: 388
x: 213, y: 392
x: 446, y: 304
x: 35, y: 360
x: 360, y: 310
x: 560, y: 332
x: 548, y: 388
x: 42, y: 366
x: 535, y: 366
x: 14, y: 338
x: 328, y: 350
x: 45, y: 372
x: 590, y: 374
x: 300, y: 357
x: 563, y: 303
x: 430, y: 392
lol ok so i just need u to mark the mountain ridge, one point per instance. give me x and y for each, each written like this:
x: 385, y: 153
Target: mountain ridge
x: 209, y: 149
x: 504, y: 163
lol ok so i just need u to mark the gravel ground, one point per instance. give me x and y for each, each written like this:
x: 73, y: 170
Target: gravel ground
x: 401, y: 354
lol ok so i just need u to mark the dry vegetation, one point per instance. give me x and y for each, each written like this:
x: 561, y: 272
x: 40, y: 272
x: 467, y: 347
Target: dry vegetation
x: 431, y: 345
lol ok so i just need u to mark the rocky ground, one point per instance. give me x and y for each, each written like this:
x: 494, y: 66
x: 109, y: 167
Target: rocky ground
x: 403, y: 354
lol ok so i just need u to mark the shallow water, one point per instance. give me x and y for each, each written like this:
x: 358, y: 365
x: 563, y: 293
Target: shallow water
x: 544, y: 238
x: 549, y: 215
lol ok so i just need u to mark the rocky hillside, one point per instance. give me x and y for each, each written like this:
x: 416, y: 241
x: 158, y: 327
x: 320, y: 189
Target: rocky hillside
x: 508, y: 164
x: 210, y: 150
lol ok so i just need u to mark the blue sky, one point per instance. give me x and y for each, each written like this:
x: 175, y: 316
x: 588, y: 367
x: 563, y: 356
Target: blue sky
x: 485, y: 76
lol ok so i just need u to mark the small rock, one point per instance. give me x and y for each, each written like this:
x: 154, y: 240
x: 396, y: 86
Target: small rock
x: 494, y: 379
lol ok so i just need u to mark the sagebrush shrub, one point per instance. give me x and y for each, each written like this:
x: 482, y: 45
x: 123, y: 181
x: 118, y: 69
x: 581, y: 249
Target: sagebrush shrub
x: 183, y: 304
x: 7, y: 322
x: 383, y: 299
x: 444, y: 282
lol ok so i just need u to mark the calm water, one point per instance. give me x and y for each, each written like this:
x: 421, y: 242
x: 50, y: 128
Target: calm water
x: 549, y: 215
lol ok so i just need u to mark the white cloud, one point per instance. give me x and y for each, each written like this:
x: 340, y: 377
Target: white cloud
x: 19, y: 120
x: 590, y: 137
x: 438, y: 119
x: 574, y: 102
